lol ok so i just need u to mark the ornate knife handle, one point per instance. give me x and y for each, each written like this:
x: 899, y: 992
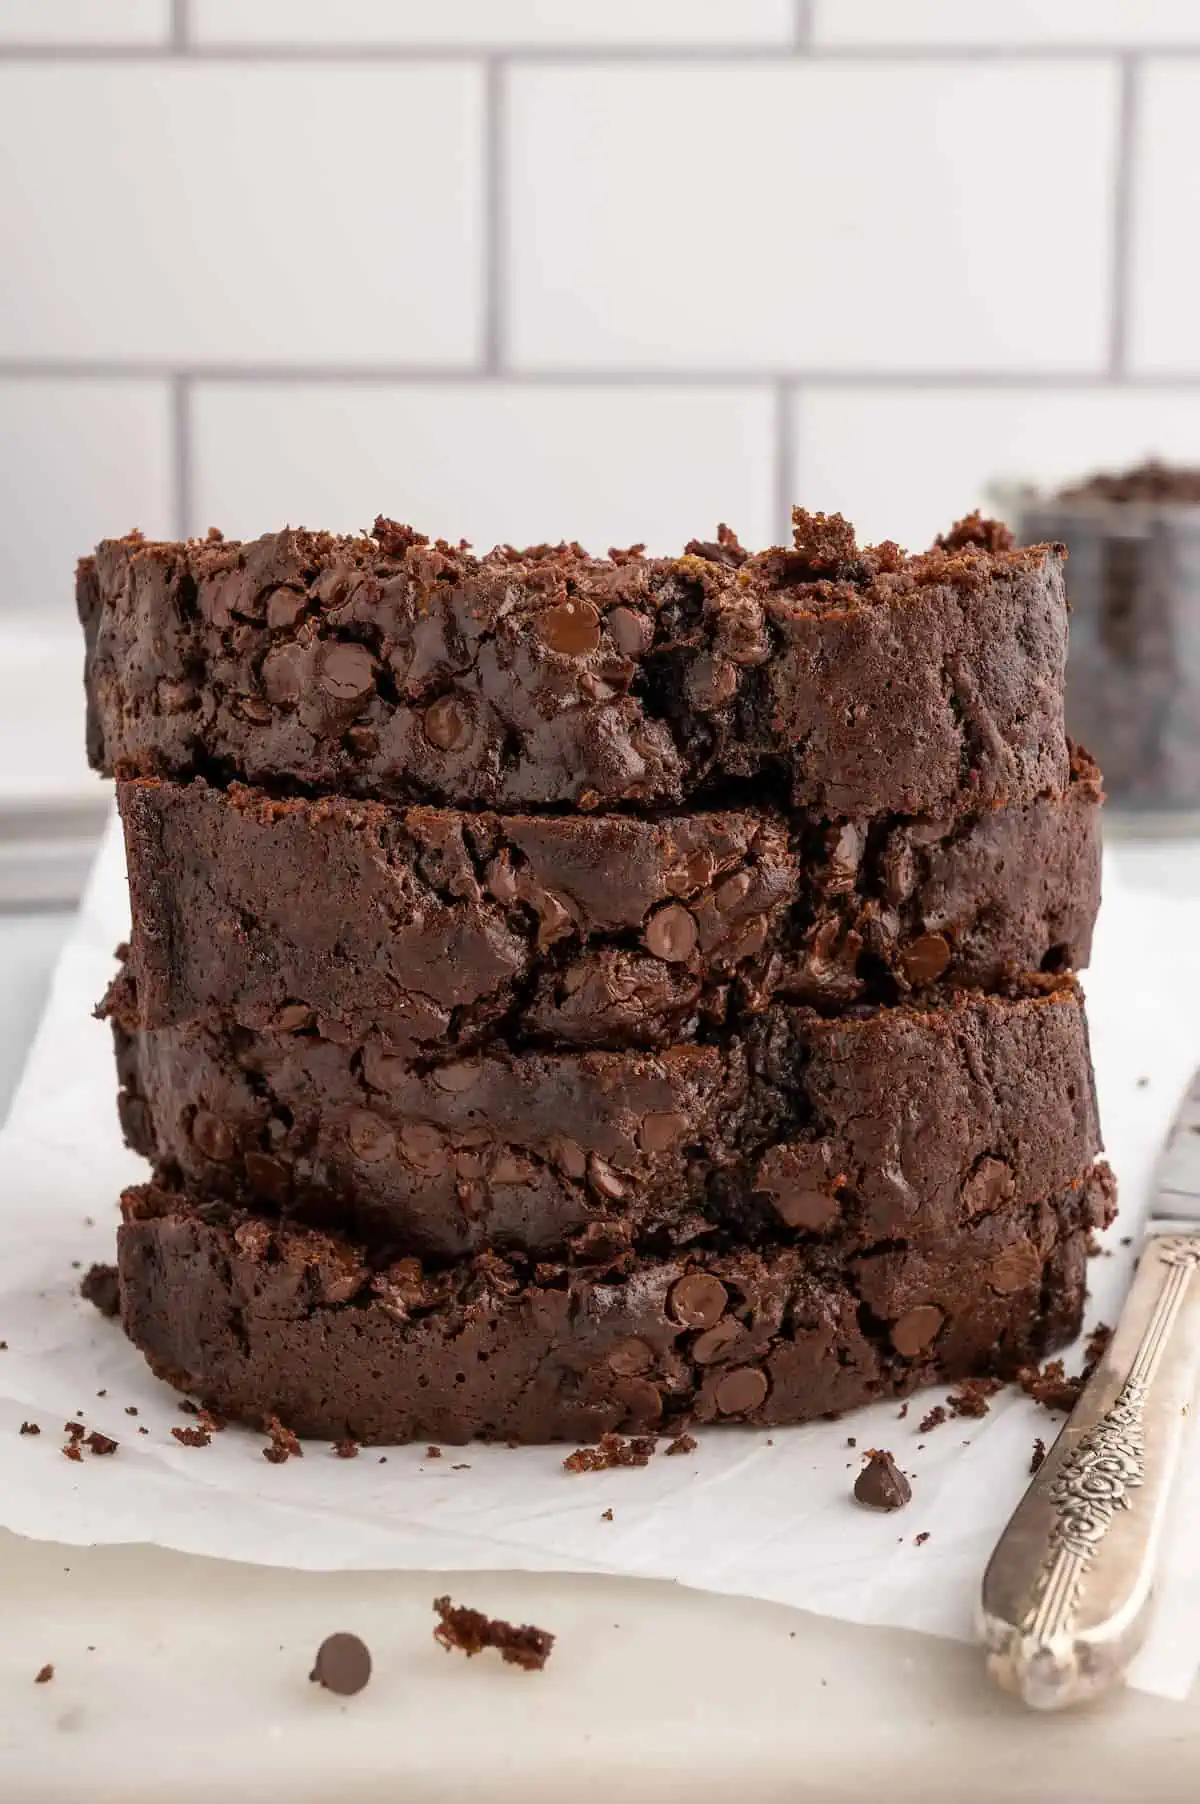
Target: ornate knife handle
x: 1067, y: 1592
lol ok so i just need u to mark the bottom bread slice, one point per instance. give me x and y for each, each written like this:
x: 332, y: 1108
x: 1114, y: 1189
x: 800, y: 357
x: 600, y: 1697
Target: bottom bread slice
x: 261, y: 1320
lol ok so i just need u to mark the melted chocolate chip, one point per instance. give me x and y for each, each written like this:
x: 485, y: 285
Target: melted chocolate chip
x: 347, y: 672
x: 672, y: 933
x: 447, y: 724
x: 698, y: 1300
x: 926, y: 959
x: 572, y: 629
x: 740, y: 1390
x: 916, y: 1330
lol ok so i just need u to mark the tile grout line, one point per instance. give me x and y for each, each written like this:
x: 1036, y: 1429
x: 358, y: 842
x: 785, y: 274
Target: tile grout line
x: 784, y: 467
x: 495, y: 215
x: 766, y: 55
x: 181, y: 456
x: 803, y: 23
x: 50, y: 369
x: 180, y: 36
x: 1128, y: 116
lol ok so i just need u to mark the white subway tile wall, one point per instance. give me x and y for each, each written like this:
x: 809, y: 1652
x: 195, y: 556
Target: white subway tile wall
x: 903, y: 462
x: 105, y: 22
x: 505, y: 23
x: 1005, y: 24
x: 83, y: 459
x: 248, y: 214
x: 1164, y: 311
x: 505, y: 462
x: 808, y: 216
x: 526, y: 269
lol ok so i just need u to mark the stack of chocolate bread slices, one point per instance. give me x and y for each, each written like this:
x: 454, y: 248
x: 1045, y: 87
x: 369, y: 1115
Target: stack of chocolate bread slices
x: 573, y: 994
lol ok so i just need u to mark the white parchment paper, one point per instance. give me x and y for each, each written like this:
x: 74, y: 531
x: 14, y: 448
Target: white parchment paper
x: 759, y: 1516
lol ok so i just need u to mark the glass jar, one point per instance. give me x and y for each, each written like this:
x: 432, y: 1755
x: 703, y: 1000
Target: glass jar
x: 1133, y: 664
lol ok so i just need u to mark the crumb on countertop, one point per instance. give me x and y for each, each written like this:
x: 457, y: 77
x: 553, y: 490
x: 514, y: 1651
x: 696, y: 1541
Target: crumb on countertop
x: 612, y: 1450
x: 471, y: 1631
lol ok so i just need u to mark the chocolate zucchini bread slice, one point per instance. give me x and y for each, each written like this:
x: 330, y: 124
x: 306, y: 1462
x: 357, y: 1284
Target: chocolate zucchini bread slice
x: 263, y: 1321
x: 431, y: 927
x: 853, y: 682
x: 852, y: 1129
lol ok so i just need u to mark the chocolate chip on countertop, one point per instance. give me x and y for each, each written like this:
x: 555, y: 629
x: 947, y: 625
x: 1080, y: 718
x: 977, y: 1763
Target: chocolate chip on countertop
x: 881, y: 1485
x: 343, y: 1664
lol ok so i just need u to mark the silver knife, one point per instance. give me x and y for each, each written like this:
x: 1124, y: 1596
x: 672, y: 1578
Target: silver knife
x: 1066, y: 1595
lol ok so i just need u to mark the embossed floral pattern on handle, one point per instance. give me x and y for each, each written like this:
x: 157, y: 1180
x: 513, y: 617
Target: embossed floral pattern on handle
x: 1066, y: 1595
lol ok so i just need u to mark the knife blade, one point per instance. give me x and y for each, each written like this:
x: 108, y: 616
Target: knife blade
x: 1066, y: 1597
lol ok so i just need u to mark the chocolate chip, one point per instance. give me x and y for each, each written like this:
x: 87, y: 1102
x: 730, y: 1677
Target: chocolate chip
x: 570, y: 1156
x: 572, y: 628
x: 630, y: 1357
x: 604, y: 1180
x: 267, y: 1177
x: 292, y: 1017
x: 671, y: 934
x: 715, y: 1342
x: 284, y: 607
x: 1016, y: 1268
x: 631, y: 632
x: 881, y: 1485
x: 711, y: 682
x: 916, y: 1329
x: 370, y: 1138
x: 343, y: 1664
x: 212, y: 1137
x: 790, y: 1176
x: 283, y: 674
x: 657, y: 1132
x: 455, y: 1078
x: 990, y: 1183
x: 845, y: 847
x: 346, y: 672
x: 383, y: 1070
x: 924, y: 961
x: 423, y: 1147
x: 741, y: 1389
x: 697, y: 1300
x: 730, y: 895
x: 501, y: 879
x: 447, y: 724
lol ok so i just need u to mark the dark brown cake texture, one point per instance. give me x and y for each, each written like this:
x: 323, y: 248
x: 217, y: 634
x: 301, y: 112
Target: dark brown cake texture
x: 854, y: 681
x: 577, y: 997
x: 265, y: 1321
x: 432, y: 928
x: 854, y: 1128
